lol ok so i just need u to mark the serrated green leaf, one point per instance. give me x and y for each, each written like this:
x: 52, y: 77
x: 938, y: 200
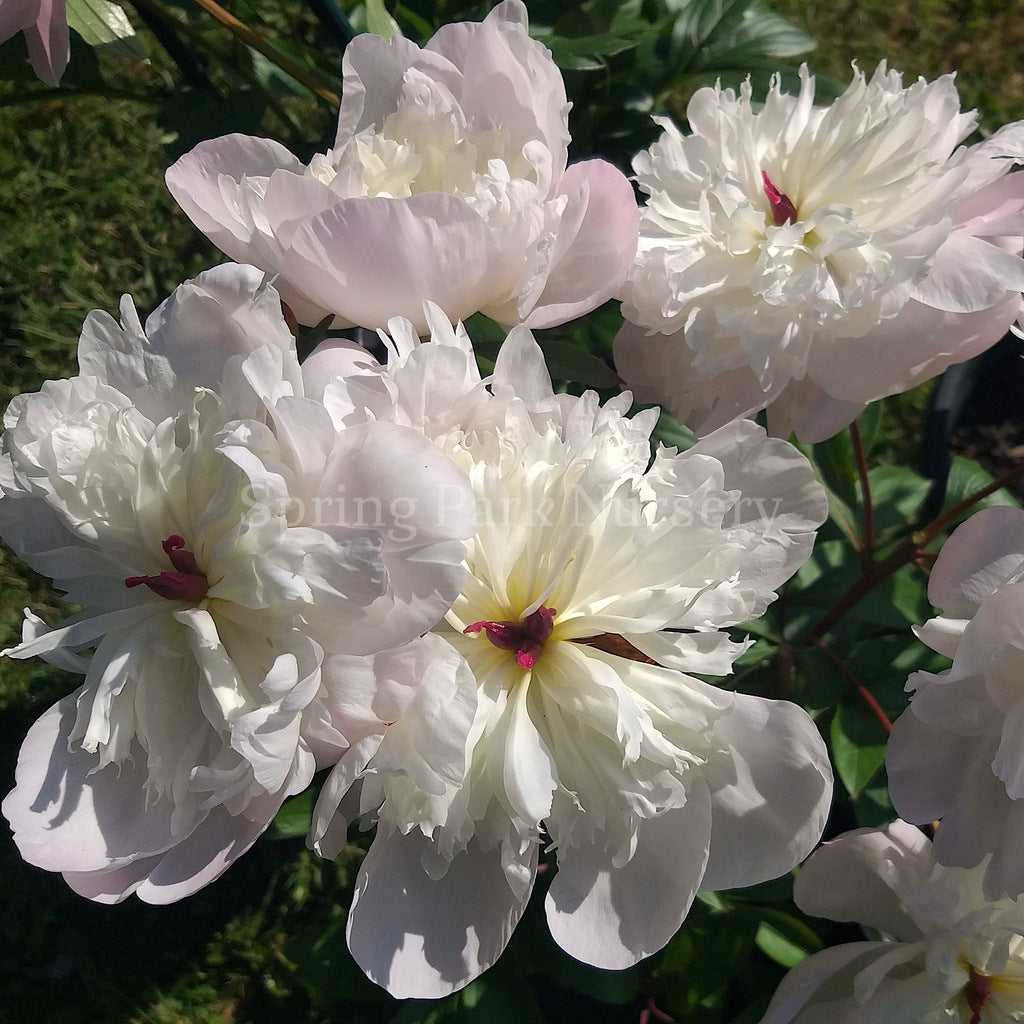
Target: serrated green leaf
x: 858, y: 747
x: 104, y: 26
x: 379, y: 22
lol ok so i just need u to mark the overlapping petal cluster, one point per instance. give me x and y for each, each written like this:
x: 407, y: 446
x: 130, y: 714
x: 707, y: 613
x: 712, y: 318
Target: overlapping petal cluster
x: 813, y: 259
x: 225, y: 538
x: 944, y: 952
x: 957, y: 753
x: 597, y: 584
x: 447, y: 182
x: 45, y: 24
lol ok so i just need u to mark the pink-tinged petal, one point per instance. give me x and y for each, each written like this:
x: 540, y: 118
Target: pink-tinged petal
x: 658, y: 368
x: 193, y: 863
x: 915, y: 346
x: 969, y: 275
x: 373, y: 72
x: 520, y: 371
x: 820, y: 979
x: 48, y: 41
x: 782, y: 520
x: 111, y: 886
x: 206, y: 854
x: 423, y: 939
x: 68, y: 817
x: 509, y: 79
x: 333, y: 360
x: 858, y: 876
x: 195, y: 182
x: 937, y: 774
x: 997, y: 209
x: 189, y: 338
x: 15, y: 16
x: 707, y: 653
x: 371, y: 259
x: 981, y: 555
x: 807, y: 410
x: 611, y: 917
x: 590, y: 266
x: 388, y: 478
x: 942, y: 634
x: 771, y: 789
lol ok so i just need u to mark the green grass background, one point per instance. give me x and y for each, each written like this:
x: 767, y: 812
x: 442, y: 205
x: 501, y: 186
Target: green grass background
x: 86, y: 218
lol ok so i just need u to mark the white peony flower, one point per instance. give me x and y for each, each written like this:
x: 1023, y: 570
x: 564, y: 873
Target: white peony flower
x: 221, y: 534
x: 597, y: 583
x: 447, y: 182
x: 957, y: 753
x: 814, y: 259
x: 945, y: 953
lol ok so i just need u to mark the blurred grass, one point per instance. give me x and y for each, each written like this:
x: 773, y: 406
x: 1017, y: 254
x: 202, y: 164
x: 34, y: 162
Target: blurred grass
x: 86, y: 219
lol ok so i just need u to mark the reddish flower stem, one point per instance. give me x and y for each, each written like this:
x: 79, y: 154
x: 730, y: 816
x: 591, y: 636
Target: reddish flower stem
x: 865, y: 694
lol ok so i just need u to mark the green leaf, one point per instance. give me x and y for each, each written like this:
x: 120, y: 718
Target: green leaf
x: 858, y: 747
x: 967, y: 477
x: 295, y: 817
x: 570, y: 363
x: 837, y: 467
x: 870, y: 422
x: 104, y: 26
x: 762, y: 36
x: 785, y: 939
x: 672, y: 433
x: 325, y: 968
x: 897, y: 494
x: 379, y: 22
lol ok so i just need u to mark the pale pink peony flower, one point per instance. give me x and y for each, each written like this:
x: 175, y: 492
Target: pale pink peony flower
x: 45, y: 24
x: 597, y: 584
x: 226, y: 541
x: 447, y: 182
x: 957, y: 753
x: 814, y: 259
x: 939, y: 953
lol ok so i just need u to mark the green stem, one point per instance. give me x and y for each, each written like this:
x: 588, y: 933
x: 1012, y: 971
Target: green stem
x: 868, y: 551
x: 907, y: 552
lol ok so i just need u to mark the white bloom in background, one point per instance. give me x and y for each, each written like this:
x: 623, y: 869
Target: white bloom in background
x: 171, y: 491
x: 945, y: 953
x: 957, y: 753
x: 447, y: 182
x: 814, y: 259
x: 596, y: 585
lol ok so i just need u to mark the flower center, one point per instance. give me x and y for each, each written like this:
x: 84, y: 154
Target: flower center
x: 187, y: 583
x: 526, y: 637
x: 783, y: 210
x: 978, y: 990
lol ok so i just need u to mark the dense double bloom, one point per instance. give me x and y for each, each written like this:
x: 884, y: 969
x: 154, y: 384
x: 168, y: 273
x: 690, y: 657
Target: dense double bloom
x: 225, y: 538
x: 940, y: 950
x: 597, y: 583
x: 957, y: 753
x: 813, y: 259
x: 447, y: 182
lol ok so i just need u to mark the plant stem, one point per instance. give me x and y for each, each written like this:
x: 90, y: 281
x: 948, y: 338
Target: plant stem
x: 257, y: 42
x: 867, y: 553
x: 907, y: 552
x: 865, y: 694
